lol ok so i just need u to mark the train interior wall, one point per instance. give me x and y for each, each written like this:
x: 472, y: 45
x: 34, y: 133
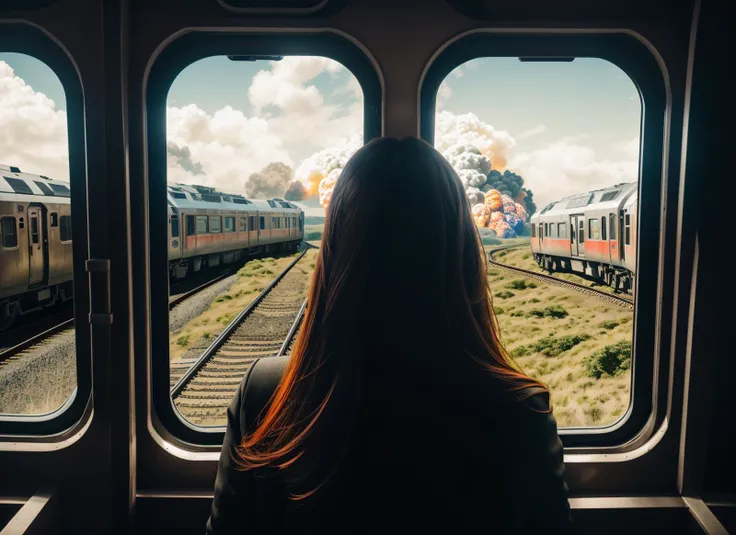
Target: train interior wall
x: 113, y: 474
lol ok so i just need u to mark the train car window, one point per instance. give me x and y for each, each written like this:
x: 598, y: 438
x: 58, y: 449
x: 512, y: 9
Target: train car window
x: 603, y: 228
x: 627, y: 225
x: 9, y: 232
x: 275, y: 129
x: 202, y: 226
x: 65, y: 229
x: 44, y: 188
x: 19, y: 186
x: 34, y: 230
x: 594, y: 231
x: 191, y: 227
x: 612, y: 225
x: 174, y: 226
x: 54, y: 218
x: 60, y: 190
x: 527, y: 134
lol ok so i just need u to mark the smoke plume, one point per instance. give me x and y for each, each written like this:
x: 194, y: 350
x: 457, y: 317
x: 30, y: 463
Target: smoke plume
x: 183, y: 157
x: 319, y: 172
x: 296, y: 192
x: 271, y: 181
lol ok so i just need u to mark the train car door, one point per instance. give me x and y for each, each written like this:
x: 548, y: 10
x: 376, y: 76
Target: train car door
x: 612, y: 238
x: 577, y: 235
x: 37, y: 246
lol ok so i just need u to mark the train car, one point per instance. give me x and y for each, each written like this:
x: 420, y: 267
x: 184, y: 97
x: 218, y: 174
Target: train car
x: 211, y: 228
x: 592, y: 234
x: 36, y: 247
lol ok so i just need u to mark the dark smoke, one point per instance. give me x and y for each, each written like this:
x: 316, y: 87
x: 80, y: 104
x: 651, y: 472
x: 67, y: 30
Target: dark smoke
x: 511, y: 184
x: 269, y: 182
x: 296, y: 191
x: 184, y: 158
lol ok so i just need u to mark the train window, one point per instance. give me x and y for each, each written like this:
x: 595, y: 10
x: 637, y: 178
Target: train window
x: 191, y: 227
x: 9, y: 232
x: 60, y: 190
x: 612, y: 225
x: 174, y: 226
x: 627, y: 226
x: 202, y: 226
x: 19, y: 185
x: 594, y: 232
x: 65, y: 229
x: 525, y: 134
x: 54, y: 219
x: 273, y: 129
x: 44, y: 188
x: 34, y: 229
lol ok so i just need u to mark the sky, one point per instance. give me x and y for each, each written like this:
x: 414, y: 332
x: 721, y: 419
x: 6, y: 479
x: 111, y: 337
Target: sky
x: 564, y: 127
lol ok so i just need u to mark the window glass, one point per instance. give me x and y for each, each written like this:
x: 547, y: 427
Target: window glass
x: 65, y: 231
x: 36, y: 271
x: 548, y: 140
x: 603, y: 228
x: 174, y: 226
x: 202, y: 227
x: 9, y: 232
x: 613, y: 225
x: 274, y: 132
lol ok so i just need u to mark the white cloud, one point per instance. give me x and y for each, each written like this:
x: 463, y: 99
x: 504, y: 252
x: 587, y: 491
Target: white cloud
x: 564, y: 168
x: 539, y: 129
x: 34, y: 132
x: 630, y: 147
x: 228, y: 145
x: 443, y: 95
x: 468, y: 129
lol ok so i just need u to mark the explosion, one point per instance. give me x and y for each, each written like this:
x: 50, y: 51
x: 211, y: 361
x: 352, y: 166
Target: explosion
x: 319, y: 172
x: 501, y: 214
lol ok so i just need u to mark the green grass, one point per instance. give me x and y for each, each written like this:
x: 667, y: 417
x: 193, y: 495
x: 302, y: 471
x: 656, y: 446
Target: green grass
x: 550, y: 346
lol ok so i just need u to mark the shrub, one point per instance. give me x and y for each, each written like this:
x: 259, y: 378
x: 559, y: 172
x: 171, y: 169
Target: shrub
x: 505, y: 295
x: 498, y: 310
x: 535, y: 300
x: 594, y: 414
x: 550, y: 346
x: 222, y: 298
x: 609, y: 324
x: 182, y: 340
x: 612, y: 360
x: 206, y: 335
x: 521, y: 284
x: 517, y: 313
x: 554, y: 311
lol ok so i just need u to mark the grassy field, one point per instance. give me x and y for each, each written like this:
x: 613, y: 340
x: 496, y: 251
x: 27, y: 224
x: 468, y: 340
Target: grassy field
x: 578, y: 345
x: 252, y: 278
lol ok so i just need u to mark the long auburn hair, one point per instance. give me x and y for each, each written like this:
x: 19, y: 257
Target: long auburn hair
x: 399, y: 290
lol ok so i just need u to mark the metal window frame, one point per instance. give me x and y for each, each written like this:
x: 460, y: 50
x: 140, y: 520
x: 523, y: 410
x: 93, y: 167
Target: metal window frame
x: 635, y: 59
x: 180, y: 52
x: 67, y: 420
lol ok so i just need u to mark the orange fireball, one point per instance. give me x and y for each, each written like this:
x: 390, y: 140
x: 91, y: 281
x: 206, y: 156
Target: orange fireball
x: 493, y: 200
x: 496, y: 217
x: 481, y: 214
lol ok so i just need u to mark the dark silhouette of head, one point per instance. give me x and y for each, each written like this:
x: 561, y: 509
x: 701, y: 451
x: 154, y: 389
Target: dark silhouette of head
x: 399, y: 293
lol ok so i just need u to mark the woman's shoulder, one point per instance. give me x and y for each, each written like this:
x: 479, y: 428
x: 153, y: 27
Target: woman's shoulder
x: 258, y: 386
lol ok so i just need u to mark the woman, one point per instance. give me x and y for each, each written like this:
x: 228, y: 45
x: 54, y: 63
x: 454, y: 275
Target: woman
x: 398, y: 410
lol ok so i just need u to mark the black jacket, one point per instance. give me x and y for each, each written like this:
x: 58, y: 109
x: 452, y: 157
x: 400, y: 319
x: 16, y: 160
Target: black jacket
x: 456, y: 470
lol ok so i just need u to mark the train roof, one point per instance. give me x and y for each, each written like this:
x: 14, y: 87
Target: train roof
x: 15, y: 185
x: 183, y: 196
x: 610, y: 197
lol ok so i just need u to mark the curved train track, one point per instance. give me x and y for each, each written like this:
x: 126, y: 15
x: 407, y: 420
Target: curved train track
x: 612, y: 298
x: 203, y: 387
x: 48, y: 336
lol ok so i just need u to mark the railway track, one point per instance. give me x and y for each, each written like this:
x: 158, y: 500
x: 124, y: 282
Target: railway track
x: 48, y: 336
x: 202, y: 387
x: 581, y: 288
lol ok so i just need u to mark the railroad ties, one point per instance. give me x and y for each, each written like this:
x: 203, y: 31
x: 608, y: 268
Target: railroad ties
x: 203, y: 388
